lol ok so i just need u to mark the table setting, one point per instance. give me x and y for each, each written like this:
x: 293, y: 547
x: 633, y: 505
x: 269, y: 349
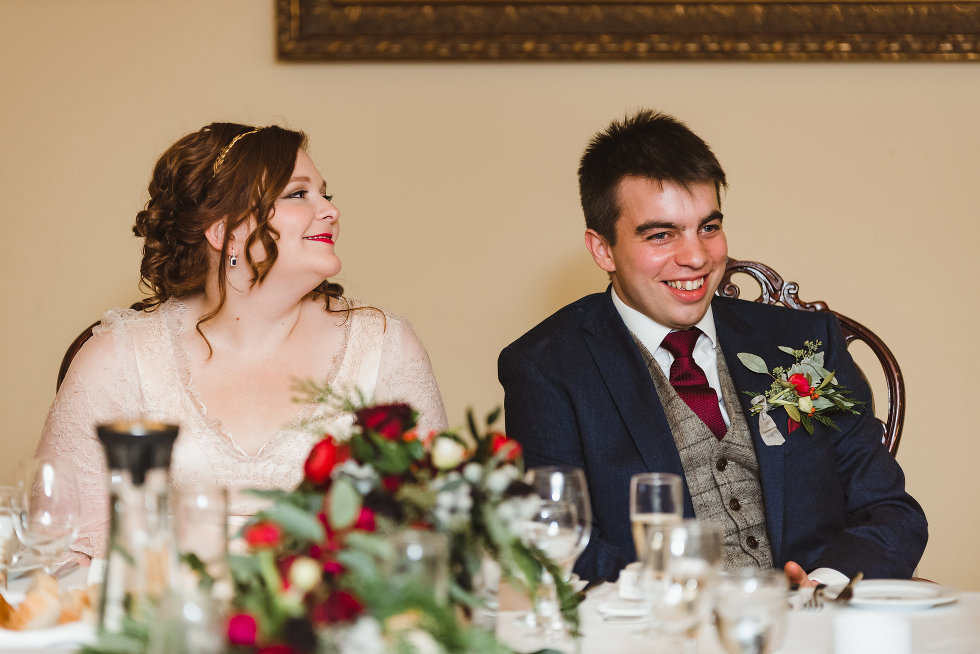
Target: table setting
x: 399, y: 542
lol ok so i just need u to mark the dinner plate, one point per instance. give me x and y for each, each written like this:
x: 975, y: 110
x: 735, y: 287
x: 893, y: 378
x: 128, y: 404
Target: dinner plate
x: 617, y: 607
x: 901, y: 593
x: 71, y: 634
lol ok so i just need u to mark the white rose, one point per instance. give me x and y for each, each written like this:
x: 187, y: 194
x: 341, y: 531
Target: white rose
x: 305, y: 573
x: 447, y: 453
x: 805, y: 404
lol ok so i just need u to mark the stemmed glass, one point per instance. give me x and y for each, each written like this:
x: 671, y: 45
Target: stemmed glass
x: 750, y: 608
x: 656, y: 501
x: 561, y: 528
x: 46, y: 517
x: 8, y: 538
x: 678, y: 582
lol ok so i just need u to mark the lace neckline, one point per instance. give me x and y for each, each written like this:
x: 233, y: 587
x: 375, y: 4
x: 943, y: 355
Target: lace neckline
x: 175, y: 315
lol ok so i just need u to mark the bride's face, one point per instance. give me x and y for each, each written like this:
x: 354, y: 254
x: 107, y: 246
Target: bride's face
x: 308, y: 224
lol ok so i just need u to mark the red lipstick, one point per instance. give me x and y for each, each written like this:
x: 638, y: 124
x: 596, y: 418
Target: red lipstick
x: 325, y: 237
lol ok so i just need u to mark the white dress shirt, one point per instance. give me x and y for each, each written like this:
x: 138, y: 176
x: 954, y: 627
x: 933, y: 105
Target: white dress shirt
x: 652, y: 335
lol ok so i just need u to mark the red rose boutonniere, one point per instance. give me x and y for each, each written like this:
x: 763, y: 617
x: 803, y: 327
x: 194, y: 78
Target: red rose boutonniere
x: 806, y: 391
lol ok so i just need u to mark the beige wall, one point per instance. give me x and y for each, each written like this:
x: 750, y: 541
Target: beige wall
x: 457, y: 186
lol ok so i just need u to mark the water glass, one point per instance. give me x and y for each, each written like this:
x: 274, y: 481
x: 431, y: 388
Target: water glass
x: 421, y: 558
x: 750, y: 609
x: 47, y: 517
x: 680, y: 595
x: 656, y: 501
x: 201, y: 526
x: 8, y: 538
x: 561, y: 528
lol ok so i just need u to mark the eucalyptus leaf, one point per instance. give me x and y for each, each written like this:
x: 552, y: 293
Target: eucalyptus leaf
x: 828, y: 379
x: 345, y: 504
x: 753, y: 362
x: 296, y: 522
x: 822, y: 403
x: 817, y: 359
x: 788, y: 350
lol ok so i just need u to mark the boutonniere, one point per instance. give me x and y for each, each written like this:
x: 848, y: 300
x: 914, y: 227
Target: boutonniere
x: 806, y: 391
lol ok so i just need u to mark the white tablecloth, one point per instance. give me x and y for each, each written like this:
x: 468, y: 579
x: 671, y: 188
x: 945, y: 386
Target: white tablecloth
x: 950, y: 629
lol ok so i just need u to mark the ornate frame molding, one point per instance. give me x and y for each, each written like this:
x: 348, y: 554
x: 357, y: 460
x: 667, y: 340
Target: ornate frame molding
x: 389, y: 30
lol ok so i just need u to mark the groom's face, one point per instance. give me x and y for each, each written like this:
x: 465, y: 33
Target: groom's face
x: 670, y: 252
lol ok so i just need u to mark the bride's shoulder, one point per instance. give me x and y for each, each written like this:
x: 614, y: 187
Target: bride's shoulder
x: 365, y: 316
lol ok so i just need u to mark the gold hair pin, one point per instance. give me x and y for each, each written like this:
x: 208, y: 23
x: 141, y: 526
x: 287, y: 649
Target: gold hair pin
x: 224, y: 151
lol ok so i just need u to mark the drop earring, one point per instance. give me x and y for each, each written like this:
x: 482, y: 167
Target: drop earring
x: 232, y: 259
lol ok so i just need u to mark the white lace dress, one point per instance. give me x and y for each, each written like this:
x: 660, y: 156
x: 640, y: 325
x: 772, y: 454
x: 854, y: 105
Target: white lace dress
x: 146, y: 373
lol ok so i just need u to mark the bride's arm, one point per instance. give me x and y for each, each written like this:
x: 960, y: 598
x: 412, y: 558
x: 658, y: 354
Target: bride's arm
x: 98, y: 387
x: 405, y: 375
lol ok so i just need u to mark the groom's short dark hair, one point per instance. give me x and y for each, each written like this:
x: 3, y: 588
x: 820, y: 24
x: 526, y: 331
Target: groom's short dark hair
x: 648, y: 144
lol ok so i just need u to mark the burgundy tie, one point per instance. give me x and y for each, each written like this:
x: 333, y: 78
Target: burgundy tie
x: 688, y: 379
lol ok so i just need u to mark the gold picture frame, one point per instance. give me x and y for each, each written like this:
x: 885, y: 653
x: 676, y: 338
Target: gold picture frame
x: 500, y: 30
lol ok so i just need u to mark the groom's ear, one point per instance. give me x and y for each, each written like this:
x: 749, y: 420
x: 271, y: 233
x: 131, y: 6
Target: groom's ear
x: 600, y: 249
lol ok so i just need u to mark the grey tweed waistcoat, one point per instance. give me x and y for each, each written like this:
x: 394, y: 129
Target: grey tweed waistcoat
x: 722, y: 476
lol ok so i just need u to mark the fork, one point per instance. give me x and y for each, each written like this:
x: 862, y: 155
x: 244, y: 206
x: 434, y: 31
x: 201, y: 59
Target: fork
x: 816, y: 601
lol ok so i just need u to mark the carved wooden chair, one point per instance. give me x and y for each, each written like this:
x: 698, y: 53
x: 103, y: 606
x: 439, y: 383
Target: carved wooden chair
x: 777, y: 291
x: 79, y: 341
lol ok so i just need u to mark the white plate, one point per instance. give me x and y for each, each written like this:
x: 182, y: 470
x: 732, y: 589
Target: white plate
x: 617, y: 607
x: 901, y: 593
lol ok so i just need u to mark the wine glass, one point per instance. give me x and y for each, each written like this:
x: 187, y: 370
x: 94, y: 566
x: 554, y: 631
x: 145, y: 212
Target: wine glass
x: 750, y: 607
x: 47, y: 518
x: 561, y: 528
x: 8, y: 538
x: 678, y: 580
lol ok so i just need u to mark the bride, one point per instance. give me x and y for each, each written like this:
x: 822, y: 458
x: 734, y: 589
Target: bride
x: 239, y: 244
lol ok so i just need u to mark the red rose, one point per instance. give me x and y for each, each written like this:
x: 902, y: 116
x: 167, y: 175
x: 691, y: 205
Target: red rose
x: 242, y: 629
x: 263, y: 534
x: 388, y: 420
x: 324, y: 456
x: 499, y: 443
x: 340, y: 606
x: 391, y: 483
x: 800, y: 383
x: 332, y: 567
x: 365, y: 521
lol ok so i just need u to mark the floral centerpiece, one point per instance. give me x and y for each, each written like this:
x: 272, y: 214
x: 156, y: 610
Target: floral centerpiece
x: 315, y: 577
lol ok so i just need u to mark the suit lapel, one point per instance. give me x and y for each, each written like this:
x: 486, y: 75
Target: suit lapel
x: 736, y: 334
x: 627, y: 380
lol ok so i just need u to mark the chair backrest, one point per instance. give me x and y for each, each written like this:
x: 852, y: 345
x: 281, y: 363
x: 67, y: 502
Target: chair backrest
x: 79, y: 341
x: 776, y: 291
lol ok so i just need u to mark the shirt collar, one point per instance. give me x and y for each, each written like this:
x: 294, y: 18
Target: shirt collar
x: 652, y: 333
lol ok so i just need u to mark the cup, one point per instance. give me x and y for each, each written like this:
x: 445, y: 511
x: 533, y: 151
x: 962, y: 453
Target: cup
x: 8, y: 537
x: 656, y: 501
x: 679, y: 589
x: 201, y: 526
x: 750, y: 608
x: 420, y: 558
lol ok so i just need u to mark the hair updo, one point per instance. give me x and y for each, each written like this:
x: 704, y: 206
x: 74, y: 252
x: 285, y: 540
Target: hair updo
x: 190, y: 190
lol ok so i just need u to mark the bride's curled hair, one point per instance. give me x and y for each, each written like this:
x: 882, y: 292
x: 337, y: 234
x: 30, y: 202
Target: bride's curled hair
x: 224, y: 171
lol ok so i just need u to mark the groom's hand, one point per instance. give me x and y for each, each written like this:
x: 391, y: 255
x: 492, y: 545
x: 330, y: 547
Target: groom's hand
x: 797, y: 575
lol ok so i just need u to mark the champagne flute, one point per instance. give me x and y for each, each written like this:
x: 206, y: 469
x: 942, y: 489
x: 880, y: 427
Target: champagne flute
x: 561, y: 528
x: 47, y: 518
x: 656, y: 501
x: 750, y: 608
x: 680, y: 598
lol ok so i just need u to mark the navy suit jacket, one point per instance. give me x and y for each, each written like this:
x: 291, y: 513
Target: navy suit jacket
x: 577, y: 393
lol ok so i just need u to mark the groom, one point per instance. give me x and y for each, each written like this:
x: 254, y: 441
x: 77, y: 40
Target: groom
x: 605, y: 383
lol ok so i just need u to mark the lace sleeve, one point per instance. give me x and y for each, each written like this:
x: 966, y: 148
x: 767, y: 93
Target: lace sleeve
x: 100, y: 386
x: 406, y: 375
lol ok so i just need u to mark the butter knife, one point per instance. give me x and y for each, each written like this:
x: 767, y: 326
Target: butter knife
x: 848, y: 592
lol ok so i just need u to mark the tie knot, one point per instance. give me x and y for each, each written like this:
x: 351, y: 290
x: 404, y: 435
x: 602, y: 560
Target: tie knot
x: 681, y: 343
